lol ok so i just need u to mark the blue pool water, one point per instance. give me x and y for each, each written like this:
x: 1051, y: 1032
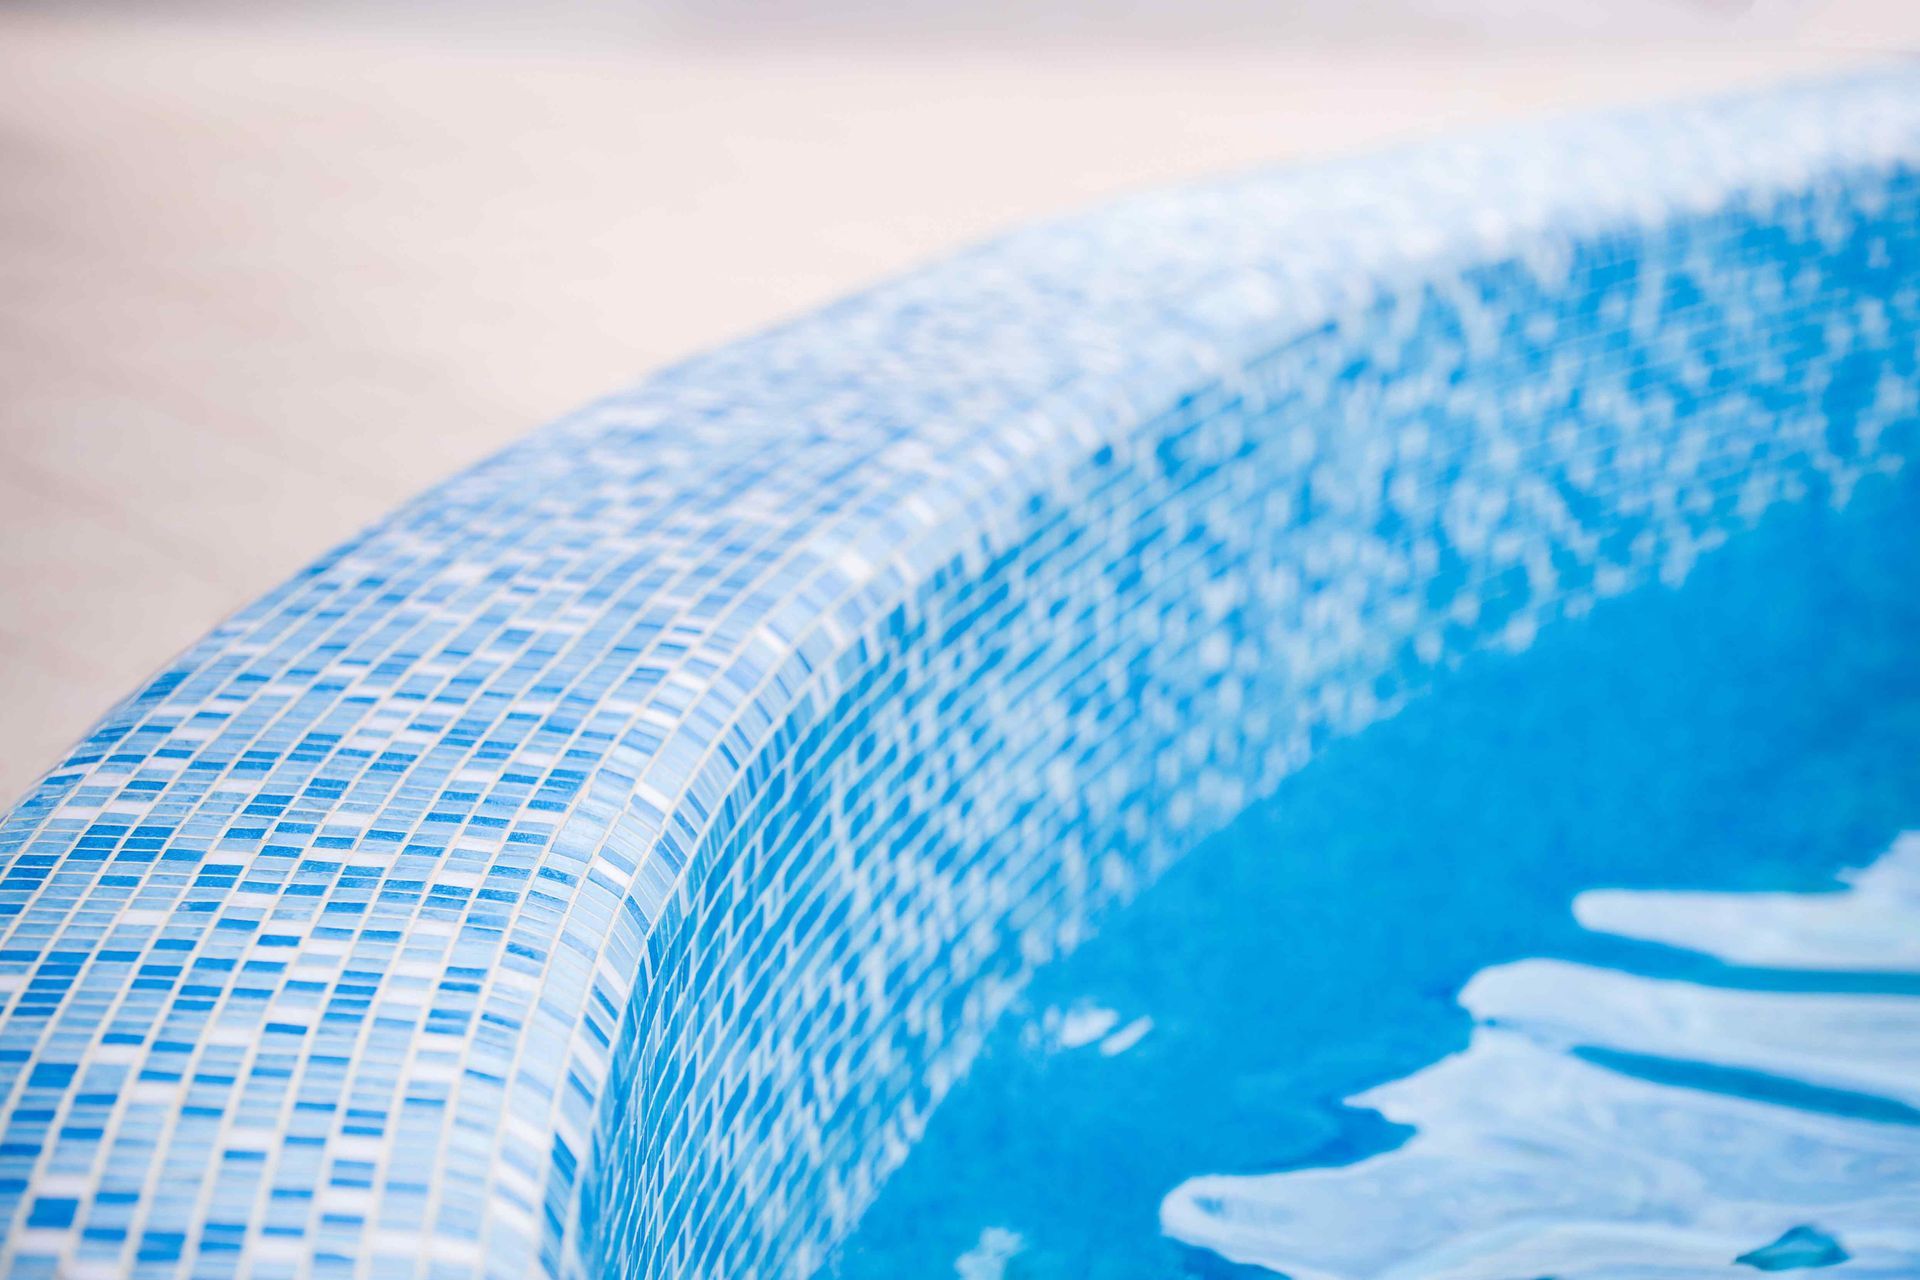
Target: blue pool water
x: 1578, y: 919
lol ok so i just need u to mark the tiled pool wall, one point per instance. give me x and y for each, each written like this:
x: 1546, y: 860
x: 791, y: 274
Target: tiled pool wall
x: 605, y: 864
x: 1171, y: 629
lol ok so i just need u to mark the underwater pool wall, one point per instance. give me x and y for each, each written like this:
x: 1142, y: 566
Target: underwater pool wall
x: 605, y: 864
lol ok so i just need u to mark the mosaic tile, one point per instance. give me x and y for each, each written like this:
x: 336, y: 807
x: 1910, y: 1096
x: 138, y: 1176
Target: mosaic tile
x: 605, y: 863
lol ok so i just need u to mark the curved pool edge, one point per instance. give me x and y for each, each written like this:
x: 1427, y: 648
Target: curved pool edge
x: 480, y: 900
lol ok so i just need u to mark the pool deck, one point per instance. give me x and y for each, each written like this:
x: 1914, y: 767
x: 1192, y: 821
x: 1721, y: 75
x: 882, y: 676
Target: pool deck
x: 263, y: 282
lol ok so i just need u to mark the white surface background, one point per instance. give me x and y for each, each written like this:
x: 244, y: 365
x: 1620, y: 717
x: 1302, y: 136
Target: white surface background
x: 266, y: 270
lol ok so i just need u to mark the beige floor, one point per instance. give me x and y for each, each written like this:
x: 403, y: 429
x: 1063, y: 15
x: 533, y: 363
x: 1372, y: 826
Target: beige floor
x: 259, y: 282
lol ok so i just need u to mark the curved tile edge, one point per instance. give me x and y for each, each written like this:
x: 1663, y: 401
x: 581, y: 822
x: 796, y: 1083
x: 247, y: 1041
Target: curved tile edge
x: 608, y: 861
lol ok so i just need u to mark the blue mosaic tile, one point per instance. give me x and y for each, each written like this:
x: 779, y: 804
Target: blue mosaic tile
x: 605, y: 863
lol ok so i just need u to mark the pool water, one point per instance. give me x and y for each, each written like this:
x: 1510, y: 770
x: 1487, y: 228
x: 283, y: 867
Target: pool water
x: 1569, y: 969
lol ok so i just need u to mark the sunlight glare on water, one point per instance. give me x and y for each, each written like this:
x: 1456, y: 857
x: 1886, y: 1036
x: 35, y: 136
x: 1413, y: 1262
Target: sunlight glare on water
x: 1596, y: 1121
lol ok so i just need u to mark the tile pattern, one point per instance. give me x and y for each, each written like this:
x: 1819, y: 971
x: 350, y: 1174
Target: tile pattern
x: 606, y: 862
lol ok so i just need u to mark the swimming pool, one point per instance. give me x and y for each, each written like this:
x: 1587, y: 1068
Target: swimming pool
x: 1571, y: 968
x: 715, y: 837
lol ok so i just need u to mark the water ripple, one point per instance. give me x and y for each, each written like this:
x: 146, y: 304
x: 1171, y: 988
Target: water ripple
x: 1602, y: 1123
